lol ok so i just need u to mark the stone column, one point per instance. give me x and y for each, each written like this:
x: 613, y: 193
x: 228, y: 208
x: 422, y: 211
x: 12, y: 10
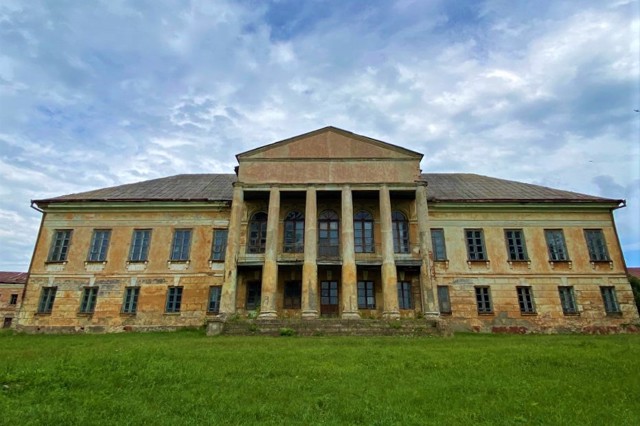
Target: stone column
x: 310, y: 266
x: 349, y: 294
x: 270, y: 268
x: 389, y: 276
x: 228, y: 297
x: 429, y: 305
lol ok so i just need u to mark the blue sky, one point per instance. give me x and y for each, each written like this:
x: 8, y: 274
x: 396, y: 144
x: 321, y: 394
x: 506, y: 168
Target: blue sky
x: 100, y: 93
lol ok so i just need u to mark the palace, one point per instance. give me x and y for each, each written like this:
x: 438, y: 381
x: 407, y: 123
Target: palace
x: 328, y: 224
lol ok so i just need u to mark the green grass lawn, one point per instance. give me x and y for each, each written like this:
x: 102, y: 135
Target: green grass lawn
x: 188, y: 378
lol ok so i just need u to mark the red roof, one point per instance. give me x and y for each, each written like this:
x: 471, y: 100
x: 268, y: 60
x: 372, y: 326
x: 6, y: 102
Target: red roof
x: 634, y: 271
x: 13, y: 277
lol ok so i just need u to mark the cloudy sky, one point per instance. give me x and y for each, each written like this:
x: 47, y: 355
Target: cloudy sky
x: 100, y: 93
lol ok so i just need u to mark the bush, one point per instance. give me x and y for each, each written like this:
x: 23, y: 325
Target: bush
x: 635, y: 286
x: 285, y: 331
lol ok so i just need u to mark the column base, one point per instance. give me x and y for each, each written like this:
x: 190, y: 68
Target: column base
x: 310, y: 315
x: 350, y: 315
x: 391, y: 315
x: 268, y: 315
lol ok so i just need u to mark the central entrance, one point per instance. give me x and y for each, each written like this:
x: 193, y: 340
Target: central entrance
x: 329, y: 298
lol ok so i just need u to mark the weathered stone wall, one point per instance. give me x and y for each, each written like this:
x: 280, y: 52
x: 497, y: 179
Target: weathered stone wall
x: 8, y: 311
x: 539, y: 273
x: 112, y: 277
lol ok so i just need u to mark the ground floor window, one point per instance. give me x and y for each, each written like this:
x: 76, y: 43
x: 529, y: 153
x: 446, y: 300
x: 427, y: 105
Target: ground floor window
x: 610, y: 300
x: 215, y: 294
x: 130, y: 302
x: 174, y: 299
x: 525, y: 300
x: 88, y: 302
x: 444, y: 302
x: 292, y: 295
x: 404, y: 295
x: 568, y: 300
x: 254, y: 289
x: 47, y: 297
x: 483, y: 300
x: 366, y: 295
x: 7, y: 322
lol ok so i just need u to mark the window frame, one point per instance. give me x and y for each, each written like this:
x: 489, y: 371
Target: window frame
x: 99, y: 246
x: 596, y: 245
x: 484, y: 302
x: 253, y: 301
x: 405, y: 295
x: 88, y: 300
x: 293, y: 235
x: 442, y: 305
x: 328, y: 234
x: 47, y: 299
x: 366, y: 291
x: 556, y: 245
x: 13, y: 299
x: 60, y: 245
x: 219, y: 244
x: 257, y: 233
x: 139, y: 250
x: 610, y: 300
x: 400, y: 232
x: 526, y: 300
x: 181, y: 245
x: 436, y: 244
x: 292, y: 294
x: 516, y: 245
x: 568, y: 300
x: 174, y: 299
x: 215, y: 296
x: 364, y: 232
x: 475, y: 252
x: 130, y: 300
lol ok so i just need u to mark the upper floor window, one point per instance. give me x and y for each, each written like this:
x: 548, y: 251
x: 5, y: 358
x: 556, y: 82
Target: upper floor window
x: 181, y: 244
x: 140, y: 245
x: 99, y: 245
x: 60, y: 245
x: 437, y: 241
x: 596, y: 245
x: 556, y: 245
x: 363, y: 232
x: 257, y: 233
x: 400, y: 227
x: 516, y: 246
x: 219, y: 244
x: 294, y: 232
x: 328, y: 234
x: 14, y: 299
x: 475, y: 244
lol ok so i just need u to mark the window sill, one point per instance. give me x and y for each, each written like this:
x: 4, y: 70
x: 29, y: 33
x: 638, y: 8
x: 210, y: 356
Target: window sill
x: 172, y: 314
x: 567, y: 262
x: 137, y: 265
x: 178, y: 265
x: 529, y: 314
x: 55, y: 262
x: 127, y: 314
x: 571, y: 314
x: 94, y: 265
x: 486, y: 314
x: 43, y: 314
x: 472, y: 263
x: 213, y: 313
x: 596, y: 263
x: 85, y: 314
x: 614, y: 314
x: 446, y: 314
x: 519, y: 263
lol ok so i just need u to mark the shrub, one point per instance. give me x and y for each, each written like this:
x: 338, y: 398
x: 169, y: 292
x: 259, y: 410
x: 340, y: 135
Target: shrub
x: 286, y: 331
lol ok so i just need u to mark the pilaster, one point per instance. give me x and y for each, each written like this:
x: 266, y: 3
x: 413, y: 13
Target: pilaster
x: 430, y: 306
x: 228, y: 297
x: 310, y: 266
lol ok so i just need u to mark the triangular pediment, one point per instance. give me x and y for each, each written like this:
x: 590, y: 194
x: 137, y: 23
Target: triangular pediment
x: 329, y: 143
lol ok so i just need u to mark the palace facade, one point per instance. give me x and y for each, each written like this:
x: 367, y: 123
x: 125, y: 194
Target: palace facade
x: 328, y: 224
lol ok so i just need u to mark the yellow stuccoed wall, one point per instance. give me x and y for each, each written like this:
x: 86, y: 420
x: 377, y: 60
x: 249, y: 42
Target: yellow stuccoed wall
x: 542, y: 276
x: 70, y: 278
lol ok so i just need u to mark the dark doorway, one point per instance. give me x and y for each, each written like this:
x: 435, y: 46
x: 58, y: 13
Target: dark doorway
x: 7, y: 322
x: 254, y: 294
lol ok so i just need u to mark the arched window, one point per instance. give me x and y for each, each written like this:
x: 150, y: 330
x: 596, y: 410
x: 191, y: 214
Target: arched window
x: 363, y: 232
x: 257, y: 233
x: 400, y: 227
x: 328, y: 234
x: 294, y: 232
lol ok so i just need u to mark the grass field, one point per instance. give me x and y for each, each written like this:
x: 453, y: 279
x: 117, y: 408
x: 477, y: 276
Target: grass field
x: 188, y: 378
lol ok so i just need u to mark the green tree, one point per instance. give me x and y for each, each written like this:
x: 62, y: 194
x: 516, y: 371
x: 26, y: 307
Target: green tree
x: 635, y: 285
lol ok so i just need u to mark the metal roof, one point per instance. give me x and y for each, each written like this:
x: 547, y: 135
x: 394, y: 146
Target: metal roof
x: 451, y: 187
x: 13, y: 277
